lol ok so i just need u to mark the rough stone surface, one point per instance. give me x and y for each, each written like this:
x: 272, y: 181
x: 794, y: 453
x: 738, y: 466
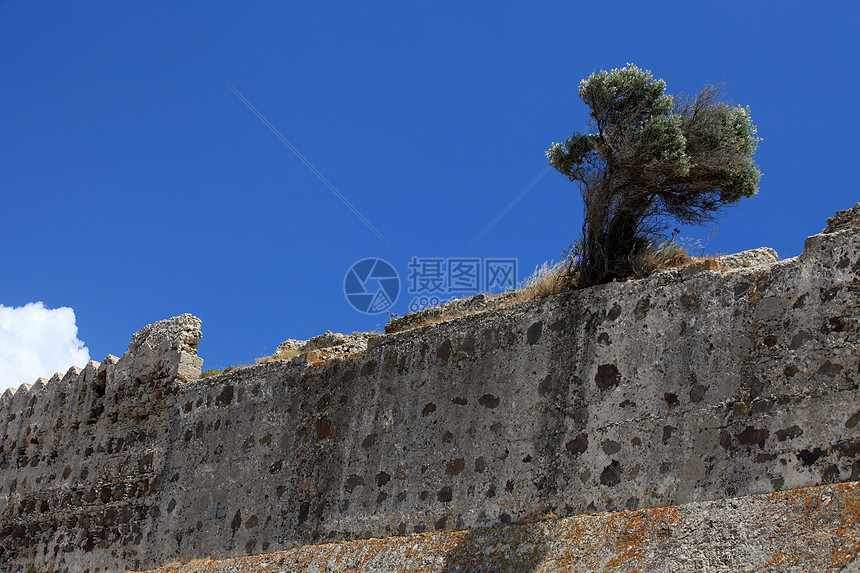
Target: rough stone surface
x: 291, y: 344
x: 334, y: 345
x: 679, y: 388
x: 844, y: 220
x: 165, y: 349
x: 814, y: 529
x: 751, y: 258
x: 471, y: 305
x: 330, y: 346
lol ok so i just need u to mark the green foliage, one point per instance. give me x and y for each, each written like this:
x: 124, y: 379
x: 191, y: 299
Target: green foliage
x: 650, y: 158
x: 210, y: 373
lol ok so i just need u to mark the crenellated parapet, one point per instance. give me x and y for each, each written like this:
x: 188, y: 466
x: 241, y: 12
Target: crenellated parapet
x: 79, y: 452
x: 160, y: 352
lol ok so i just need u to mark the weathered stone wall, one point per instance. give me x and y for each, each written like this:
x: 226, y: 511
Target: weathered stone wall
x: 814, y: 529
x: 691, y: 385
x: 78, y: 473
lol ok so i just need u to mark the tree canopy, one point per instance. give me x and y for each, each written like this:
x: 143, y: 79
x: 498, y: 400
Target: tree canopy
x: 650, y: 158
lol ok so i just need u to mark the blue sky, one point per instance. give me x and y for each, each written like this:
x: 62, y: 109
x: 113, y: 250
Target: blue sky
x: 135, y: 185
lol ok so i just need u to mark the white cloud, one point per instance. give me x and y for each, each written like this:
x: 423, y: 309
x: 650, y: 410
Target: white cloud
x: 37, y: 341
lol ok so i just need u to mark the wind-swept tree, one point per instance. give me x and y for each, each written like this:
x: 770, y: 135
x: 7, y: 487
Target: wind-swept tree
x: 651, y: 158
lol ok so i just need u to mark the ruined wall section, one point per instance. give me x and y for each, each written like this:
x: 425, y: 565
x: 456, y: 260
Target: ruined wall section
x: 696, y: 384
x: 80, y: 454
x: 692, y: 385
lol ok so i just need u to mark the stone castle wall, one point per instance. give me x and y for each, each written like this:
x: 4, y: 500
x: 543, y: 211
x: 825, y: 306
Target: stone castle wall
x: 692, y: 385
x: 797, y: 531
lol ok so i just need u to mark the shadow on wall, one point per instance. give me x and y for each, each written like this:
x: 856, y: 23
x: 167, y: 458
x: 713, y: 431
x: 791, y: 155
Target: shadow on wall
x: 512, y: 548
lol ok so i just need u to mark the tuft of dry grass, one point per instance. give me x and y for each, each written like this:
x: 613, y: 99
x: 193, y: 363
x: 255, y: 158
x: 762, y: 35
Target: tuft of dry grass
x: 238, y: 367
x: 285, y: 354
x: 548, y: 279
x: 653, y: 258
x: 554, y: 278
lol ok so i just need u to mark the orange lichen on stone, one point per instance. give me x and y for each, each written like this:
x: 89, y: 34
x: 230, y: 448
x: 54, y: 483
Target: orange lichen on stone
x: 850, y: 501
x: 776, y: 558
x: 635, y: 530
x: 846, y: 545
x: 814, y: 528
